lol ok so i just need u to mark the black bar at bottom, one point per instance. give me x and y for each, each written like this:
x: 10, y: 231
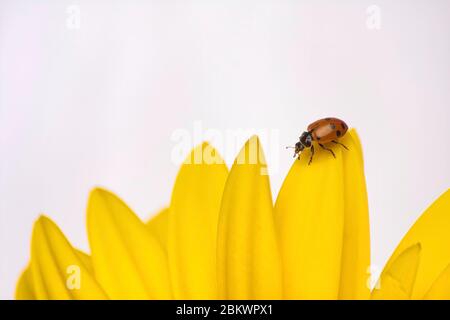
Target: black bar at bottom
x: 206, y: 309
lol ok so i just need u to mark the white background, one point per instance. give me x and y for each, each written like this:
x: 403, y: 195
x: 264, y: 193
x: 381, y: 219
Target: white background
x: 97, y: 105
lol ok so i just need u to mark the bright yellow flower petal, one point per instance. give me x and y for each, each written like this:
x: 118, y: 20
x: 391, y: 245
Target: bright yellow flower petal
x: 356, y: 246
x: 309, y: 213
x: 432, y: 231
x: 355, y: 136
x: 396, y: 281
x: 129, y: 261
x: 58, y: 271
x: 440, y: 290
x: 248, y: 257
x: 25, y: 290
x: 86, y: 259
x: 193, y: 217
x: 158, y: 226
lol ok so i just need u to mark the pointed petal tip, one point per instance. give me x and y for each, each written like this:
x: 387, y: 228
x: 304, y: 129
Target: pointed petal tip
x: 122, y: 248
x: 43, y: 221
x: 398, y: 277
x: 254, y: 138
x: 40, y: 218
x: 249, y: 266
x: 24, y: 287
x: 205, y: 144
x: 99, y: 191
x: 413, y: 249
x: 102, y: 194
x: 251, y: 153
x: 200, y: 146
x: 194, y: 208
x: 203, y: 153
x: 353, y: 131
x: 431, y: 232
x: 51, y: 255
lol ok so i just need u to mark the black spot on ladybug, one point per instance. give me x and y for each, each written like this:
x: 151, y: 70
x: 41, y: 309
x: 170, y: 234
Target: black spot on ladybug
x: 344, y: 126
x: 333, y: 126
x: 328, y: 119
x: 338, y: 133
x: 318, y: 138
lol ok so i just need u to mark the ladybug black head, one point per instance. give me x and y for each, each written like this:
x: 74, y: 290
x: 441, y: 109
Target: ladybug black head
x: 306, y: 139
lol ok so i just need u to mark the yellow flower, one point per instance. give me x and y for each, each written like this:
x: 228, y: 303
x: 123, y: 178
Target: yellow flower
x: 223, y: 238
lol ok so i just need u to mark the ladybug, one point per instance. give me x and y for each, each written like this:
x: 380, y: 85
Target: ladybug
x: 321, y: 131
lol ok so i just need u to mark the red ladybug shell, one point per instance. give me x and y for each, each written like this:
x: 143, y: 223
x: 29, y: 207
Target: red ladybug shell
x: 327, y: 130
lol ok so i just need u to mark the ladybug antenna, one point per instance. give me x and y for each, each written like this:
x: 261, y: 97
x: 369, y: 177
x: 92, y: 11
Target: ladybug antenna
x: 290, y: 147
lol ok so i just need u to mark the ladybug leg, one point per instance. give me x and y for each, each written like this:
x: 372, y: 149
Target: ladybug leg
x: 337, y: 142
x: 325, y: 148
x: 312, y: 155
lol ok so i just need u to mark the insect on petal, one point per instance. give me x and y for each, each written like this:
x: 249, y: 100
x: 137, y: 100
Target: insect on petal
x: 309, y: 214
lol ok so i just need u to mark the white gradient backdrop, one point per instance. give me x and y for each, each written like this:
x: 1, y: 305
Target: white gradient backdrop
x: 98, y: 105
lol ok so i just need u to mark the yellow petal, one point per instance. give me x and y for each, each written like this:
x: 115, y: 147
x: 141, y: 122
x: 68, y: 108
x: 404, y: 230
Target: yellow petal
x: 248, y: 257
x: 193, y: 218
x: 396, y: 281
x: 440, y: 290
x: 356, y: 244
x: 58, y: 271
x: 24, y: 289
x: 432, y: 231
x: 309, y: 213
x: 129, y: 262
x: 357, y: 141
x: 86, y: 259
x: 158, y: 226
